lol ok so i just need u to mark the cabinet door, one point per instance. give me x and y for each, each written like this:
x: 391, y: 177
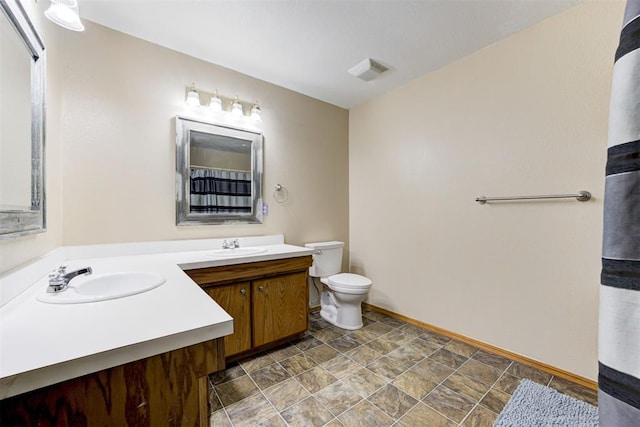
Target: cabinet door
x: 279, y: 307
x: 236, y: 300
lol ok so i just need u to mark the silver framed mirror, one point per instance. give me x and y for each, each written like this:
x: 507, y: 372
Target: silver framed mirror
x: 218, y: 173
x: 22, y: 124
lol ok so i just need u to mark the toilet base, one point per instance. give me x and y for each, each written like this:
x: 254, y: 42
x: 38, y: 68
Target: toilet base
x: 332, y: 319
x: 345, y: 316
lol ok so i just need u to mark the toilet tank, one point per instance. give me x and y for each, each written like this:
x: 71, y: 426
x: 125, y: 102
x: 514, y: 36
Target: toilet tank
x: 327, y: 258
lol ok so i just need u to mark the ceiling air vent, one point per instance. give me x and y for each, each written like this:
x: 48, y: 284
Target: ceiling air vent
x: 367, y: 70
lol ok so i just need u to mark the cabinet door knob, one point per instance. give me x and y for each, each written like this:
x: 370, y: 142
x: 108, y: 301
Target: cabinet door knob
x: 243, y: 292
x: 261, y: 288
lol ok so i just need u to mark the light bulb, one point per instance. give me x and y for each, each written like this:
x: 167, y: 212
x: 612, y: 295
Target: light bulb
x: 65, y: 13
x: 256, y: 113
x: 215, y: 105
x: 193, y: 98
x: 236, y: 108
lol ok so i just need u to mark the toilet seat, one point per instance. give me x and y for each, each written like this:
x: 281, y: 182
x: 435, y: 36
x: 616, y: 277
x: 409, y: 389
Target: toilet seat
x: 348, y: 283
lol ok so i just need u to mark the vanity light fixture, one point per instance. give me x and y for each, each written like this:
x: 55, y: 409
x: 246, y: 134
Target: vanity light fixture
x: 215, y: 105
x: 65, y: 13
x: 236, y: 108
x: 193, y: 98
x: 256, y: 113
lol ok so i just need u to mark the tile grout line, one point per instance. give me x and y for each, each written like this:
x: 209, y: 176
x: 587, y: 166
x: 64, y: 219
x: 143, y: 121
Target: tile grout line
x: 247, y: 373
x: 301, y: 372
x: 220, y: 400
x: 442, y: 384
x: 292, y: 405
x: 311, y: 394
x: 409, y: 332
x: 321, y: 404
x: 262, y: 392
x: 335, y: 417
x: 419, y: 401
x: 340, y: 353
x: 303, y: 352
x: 504, y: 372
x: 278, y: 413
x: 390, y: 381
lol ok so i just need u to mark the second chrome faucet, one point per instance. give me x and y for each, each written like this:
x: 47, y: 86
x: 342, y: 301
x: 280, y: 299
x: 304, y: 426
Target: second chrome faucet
x: 230, y: 244
x: 59, y: 279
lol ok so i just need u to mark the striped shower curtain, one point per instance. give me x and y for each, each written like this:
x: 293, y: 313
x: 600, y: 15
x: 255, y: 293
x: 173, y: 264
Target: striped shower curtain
x: 220, y: 191
x: 619, y: 334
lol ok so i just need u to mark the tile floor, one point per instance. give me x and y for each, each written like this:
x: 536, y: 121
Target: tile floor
x: 387, y: 373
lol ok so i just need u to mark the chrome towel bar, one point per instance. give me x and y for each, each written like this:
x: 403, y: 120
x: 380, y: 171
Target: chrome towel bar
x: 581, y: 196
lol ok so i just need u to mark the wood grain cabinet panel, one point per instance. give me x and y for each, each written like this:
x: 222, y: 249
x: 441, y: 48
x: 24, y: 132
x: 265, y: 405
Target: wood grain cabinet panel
x: 279, y: 307
x: 273, y: 308
x: 169, y: 389
x: 235, y: 300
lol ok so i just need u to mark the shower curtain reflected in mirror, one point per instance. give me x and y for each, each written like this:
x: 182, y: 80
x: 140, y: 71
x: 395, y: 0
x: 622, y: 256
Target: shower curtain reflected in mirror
x: 220, y: 191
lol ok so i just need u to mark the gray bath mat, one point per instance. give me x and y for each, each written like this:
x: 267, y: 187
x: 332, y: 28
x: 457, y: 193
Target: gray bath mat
x: 534, y: 405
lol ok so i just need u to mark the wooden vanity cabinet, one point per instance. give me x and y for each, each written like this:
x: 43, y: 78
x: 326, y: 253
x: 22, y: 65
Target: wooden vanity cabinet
x: 268, y: 300
x: 279, y: 307
x: 168, y: 389
x: 236, y: 300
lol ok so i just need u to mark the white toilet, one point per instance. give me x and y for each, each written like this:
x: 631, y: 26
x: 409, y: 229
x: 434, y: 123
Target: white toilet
x: 343, y: 293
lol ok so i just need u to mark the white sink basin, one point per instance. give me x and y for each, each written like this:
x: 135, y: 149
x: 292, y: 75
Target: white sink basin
x: 100, y: 287
x: 238, y: 251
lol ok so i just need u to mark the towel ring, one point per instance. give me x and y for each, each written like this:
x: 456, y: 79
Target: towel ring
x: 280, y: 194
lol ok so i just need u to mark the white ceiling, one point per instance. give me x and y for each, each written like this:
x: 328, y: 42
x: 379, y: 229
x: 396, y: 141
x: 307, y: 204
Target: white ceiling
x: 308, y: 45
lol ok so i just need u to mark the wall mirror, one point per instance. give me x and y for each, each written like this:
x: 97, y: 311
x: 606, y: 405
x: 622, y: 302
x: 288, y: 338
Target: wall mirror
x: 22, y: 86
x: 219, y: 174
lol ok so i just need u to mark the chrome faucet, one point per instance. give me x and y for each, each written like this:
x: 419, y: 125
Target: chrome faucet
x: 59, y: 279
x: 230, y: 244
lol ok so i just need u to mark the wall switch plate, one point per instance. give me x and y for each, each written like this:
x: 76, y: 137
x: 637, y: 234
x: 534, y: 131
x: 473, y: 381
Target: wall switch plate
x: 265, y: 209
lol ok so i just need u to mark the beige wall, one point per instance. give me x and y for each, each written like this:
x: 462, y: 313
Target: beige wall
x: 220, y: 159
x: 120, y: 97
x: 527, y: 115
x: 17, y: 251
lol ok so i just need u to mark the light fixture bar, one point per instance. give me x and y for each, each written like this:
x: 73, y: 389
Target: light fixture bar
x: 215, y: 106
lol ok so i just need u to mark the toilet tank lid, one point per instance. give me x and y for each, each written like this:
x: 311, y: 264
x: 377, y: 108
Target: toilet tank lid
x: 324, y: 245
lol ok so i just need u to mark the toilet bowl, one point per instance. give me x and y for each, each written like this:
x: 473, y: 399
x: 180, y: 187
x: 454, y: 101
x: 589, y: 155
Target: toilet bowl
x: 341, y: 300
x: 343, y: 293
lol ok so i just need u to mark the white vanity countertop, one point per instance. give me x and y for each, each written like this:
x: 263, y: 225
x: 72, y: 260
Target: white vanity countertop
x: 42, y: 344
